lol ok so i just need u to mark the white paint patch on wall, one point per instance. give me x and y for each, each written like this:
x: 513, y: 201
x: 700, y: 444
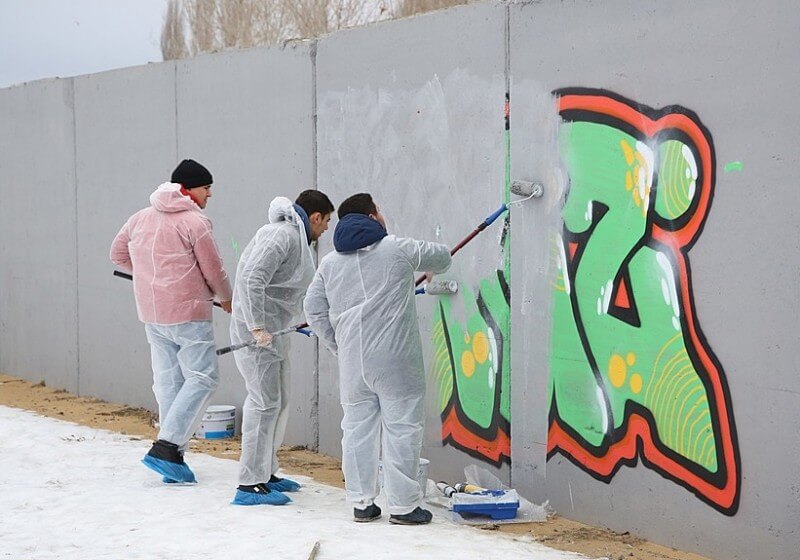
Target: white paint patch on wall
x: 442, y: 141
x: 433, y: 156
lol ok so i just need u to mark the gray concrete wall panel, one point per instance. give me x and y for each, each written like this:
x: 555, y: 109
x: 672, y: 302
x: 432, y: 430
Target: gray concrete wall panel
x: 125, y: 127
x: 247, y: 116
x: 413, y: 113
x: 691, y: 55
x: 534, y: 130
x: 38, y: 268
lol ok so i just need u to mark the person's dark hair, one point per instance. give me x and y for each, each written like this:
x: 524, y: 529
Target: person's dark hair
x: 360, y: 203
x: 315, y: 201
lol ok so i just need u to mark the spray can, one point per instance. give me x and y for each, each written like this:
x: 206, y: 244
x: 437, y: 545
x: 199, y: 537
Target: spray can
x: 446, y: 489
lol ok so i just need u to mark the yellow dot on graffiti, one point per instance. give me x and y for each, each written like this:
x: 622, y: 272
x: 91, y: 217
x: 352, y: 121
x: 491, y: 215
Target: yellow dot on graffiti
x: 630, y: 358
x: 617, y: 370
x: 466, y: 338
x: 468, y: 363
x: 480, y: 347
x: 636, y: 383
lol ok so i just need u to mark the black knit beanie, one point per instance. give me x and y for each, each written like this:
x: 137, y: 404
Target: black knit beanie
x: 191, y: 174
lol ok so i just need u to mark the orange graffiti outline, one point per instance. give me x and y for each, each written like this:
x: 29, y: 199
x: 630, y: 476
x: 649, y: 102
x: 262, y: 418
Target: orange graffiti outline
x: 638, y: 427
x: 494, y: 449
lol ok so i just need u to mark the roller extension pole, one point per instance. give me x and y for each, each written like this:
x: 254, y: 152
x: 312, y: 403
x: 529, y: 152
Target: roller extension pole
x: 482, y: 226
x: 299, y: 328
x: 127, y: 276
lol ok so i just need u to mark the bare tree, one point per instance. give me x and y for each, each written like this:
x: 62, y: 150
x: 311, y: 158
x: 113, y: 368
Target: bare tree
x: 407, y: 8
x: 214, y: 25
x: 313, y: 18
x: 173, y: 40
x: 272, y: 22
x: 201, y: 15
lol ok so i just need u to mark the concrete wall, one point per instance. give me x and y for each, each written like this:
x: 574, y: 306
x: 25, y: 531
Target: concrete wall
x: 38, y: 247
x: 125, y: 139
x: 651, y: 321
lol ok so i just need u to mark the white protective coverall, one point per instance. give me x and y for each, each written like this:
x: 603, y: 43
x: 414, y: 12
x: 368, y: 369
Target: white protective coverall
x: 361, y: 306
x: 271, y: 280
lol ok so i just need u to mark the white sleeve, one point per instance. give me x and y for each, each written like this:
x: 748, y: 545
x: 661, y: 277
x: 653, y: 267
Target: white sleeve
x: 425, y: 256
x: 317, y: 311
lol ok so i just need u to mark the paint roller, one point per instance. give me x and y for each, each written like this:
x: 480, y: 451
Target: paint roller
x: 527, y: 189
x: 127, y: 276
x: 438, y: 288
x: 448, y: 490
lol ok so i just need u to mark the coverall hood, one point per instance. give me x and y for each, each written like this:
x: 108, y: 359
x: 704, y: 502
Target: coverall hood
x: 306, y: 223
x: 356, y: 231
x: 168, y: 198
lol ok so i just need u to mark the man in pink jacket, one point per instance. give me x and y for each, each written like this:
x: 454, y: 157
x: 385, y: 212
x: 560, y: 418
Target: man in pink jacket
x: 177, y: 272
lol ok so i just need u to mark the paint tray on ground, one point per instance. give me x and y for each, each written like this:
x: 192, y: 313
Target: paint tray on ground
x: 496, y: 504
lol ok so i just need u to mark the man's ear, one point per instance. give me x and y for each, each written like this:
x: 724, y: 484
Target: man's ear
x: 315, y: 218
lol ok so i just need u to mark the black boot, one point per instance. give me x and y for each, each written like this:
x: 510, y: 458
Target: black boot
x: 166, y: 451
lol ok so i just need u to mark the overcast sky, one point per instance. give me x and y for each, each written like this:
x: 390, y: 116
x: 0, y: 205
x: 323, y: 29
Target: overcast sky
x: 48, y: 38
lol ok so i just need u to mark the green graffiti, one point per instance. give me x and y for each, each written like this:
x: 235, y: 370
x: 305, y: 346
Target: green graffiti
x: 626, y: 297
x: 632, y: 377
x: 677, y: 179
x: 733, y: 166
x: 471, y: 369
x: 235, y: 246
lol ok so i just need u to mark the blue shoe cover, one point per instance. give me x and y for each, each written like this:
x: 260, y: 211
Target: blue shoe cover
x: 273, y: 498
x: 173, y: 471
x: 167, y: 480
x: 283, y: 485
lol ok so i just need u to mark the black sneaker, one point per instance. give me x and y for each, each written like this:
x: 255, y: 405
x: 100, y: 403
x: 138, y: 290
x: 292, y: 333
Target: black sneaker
x: 370, y: 513
x: 417, y: 517
x: 166, y: 451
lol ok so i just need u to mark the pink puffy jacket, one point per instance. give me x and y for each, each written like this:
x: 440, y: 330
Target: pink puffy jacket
x: 176, y: 266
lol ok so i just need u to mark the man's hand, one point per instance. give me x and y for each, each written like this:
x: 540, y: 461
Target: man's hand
x: 429, y: 277
x: 226, y: 306
x: 262, y: 338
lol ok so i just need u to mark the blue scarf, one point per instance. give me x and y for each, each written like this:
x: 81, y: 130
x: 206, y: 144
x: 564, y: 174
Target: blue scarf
x: 299, y: 209
x: 356, y: 231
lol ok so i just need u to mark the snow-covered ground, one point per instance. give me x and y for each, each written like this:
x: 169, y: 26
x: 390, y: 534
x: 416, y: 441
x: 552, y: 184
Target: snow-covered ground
x: 68, y: 491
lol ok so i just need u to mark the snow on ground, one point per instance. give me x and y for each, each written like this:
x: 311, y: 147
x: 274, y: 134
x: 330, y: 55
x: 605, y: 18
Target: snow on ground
x: 68, y: 491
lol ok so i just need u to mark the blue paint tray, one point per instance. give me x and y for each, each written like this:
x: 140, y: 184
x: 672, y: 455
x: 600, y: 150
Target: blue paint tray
x: 497, y: 504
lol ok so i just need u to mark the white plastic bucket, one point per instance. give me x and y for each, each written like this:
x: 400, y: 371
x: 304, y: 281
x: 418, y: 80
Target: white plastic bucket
x: 218, y: 422
x: 422, y: 474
